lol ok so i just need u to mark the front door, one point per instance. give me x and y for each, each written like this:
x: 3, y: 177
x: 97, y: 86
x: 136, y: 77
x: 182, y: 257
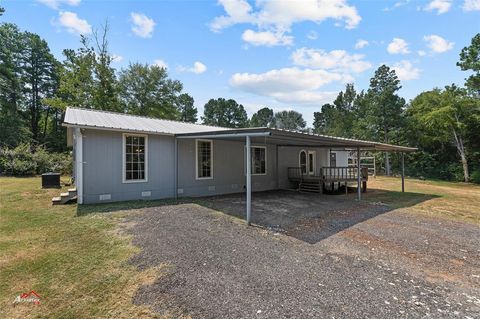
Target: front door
x: 303, y: 162
x: 312, y: 162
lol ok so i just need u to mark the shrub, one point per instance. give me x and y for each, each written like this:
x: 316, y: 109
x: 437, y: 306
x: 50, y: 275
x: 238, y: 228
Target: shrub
x: 21, y: 161
x: 475, y: 177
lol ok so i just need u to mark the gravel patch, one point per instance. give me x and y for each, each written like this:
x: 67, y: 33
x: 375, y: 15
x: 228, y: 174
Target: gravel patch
x: 364, y: 263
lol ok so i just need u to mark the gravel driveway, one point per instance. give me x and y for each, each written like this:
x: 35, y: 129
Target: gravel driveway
x: 374, y: 263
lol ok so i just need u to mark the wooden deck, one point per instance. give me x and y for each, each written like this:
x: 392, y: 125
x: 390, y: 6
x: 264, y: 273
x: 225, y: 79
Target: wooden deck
x: 328, y: 178
x: 329, y: 174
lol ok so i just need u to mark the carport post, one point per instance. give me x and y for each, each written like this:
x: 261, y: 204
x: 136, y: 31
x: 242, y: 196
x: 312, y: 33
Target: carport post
x: 359, y: 190
x: 403, y: 172
x: 249, y: 179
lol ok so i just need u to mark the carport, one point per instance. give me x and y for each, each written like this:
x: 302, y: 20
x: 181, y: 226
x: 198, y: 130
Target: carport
x: 286, y: 138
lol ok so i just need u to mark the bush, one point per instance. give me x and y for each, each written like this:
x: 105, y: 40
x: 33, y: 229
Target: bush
x: 475, y: 177
x: 20, y: 161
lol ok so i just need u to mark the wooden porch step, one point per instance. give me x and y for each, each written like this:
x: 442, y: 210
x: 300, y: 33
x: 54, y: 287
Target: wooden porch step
x: 65, y: 197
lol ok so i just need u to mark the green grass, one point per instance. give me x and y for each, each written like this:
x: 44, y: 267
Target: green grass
x: 78, y: 265
x: 77, y: 260
x: 454, y: 201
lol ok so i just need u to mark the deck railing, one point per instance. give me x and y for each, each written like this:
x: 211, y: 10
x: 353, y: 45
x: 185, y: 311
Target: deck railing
x: 342, y: 173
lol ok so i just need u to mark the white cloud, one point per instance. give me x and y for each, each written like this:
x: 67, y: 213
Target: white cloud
x: 142, y: 25
x: 266, y: 38
x: 471, y: 5
x: 398, y: 46
x: 160, y: 63
x: 438, y: 44
x: 197, y: 68
x: 54, y: 4
x: 288, y: 84
x: 277, y: 17
x: 117, y: 58
x: 422, y: 53
x: 336, y: 60
x: 441, y: 6
x: 73, y: 23
x: 360, y: 44
x: 312, y: 35
x: 406, y: 71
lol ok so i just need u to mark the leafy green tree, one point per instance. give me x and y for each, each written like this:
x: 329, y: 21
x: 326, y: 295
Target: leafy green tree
x: 13, y: 129
x: 146, y: 90
x: 383, y: 113
x: 262, y: 118
x: 40, y: 78
x: 337, y: 119
x: 188, y: 112
x: 289, y: 120
x: 445, y: 116
x: 224, y: 113
x: 76, y: 85
x: 470, y: 60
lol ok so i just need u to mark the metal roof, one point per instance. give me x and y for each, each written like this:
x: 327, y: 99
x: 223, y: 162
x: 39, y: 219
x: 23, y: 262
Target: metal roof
x: 86, y: 118
x: 294, y: 138
x: 124, y: 122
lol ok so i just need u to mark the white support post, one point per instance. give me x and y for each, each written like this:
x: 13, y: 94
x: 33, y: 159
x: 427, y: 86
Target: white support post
x: 249, y: 179
x: 176, y: 168
x: 403, y: 172
x: 79, y: 164
x: 359, y: 177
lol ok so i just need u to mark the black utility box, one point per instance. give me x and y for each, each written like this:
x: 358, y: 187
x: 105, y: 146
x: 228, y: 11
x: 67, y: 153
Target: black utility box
x: 51, y: 180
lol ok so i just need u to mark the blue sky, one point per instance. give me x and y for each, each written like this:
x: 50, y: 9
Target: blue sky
x: 281, y: 54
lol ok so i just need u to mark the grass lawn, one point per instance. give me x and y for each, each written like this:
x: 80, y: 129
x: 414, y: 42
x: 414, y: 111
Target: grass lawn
x: 78, y: 261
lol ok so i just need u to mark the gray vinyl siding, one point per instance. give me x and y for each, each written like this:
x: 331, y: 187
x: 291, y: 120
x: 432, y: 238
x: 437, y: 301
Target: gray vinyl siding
x: 228, y: 169
x: 103, y: 160
x: 289, y: 157
x: 103, y: 171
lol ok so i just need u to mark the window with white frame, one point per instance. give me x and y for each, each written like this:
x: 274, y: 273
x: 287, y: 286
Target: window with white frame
x: 135, y: 158
x: 259, y: 160
x: 204, y: 159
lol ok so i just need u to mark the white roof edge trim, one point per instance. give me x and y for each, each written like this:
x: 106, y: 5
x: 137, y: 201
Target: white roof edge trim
x: 101, y: 128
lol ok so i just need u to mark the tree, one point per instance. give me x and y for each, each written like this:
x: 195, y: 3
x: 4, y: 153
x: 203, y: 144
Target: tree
x: 445, y: 116
x: 188, y: 112
x: 40, y: 78
x: 146, y: 90
x: 262, y: 118
x: 337, y: 119
x: 224, y: 113
x: 105, y: 85
x: 289, y: 120
x: 384, y: 107
x: 470, y: 60
x: 13, y: 130
x: 2, y: 11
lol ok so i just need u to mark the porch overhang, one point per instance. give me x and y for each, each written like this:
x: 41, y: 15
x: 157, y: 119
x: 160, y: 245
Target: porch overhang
x: 293, y: 138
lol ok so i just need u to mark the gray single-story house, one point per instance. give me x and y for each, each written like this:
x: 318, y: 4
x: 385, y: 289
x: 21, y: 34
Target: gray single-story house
x: 119, y: 157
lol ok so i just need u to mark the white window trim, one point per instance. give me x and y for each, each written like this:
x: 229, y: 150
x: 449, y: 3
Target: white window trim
x: 124, y: 177
x: 314, y: 162
x: 266, y: 162
x: 196, y: 159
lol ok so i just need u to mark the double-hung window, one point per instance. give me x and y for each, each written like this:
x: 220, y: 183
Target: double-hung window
x: 134, y: 158
x: 259, y: 160
x: 204, y: 159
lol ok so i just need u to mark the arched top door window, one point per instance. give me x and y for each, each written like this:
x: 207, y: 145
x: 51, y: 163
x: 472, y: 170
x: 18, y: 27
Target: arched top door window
x: 303, y: 161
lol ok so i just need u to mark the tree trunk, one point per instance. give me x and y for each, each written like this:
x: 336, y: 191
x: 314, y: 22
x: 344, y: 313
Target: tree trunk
x: 461, y: 151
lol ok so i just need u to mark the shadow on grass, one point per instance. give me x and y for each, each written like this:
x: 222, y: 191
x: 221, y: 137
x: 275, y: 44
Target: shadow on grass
x: 396, y: 199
